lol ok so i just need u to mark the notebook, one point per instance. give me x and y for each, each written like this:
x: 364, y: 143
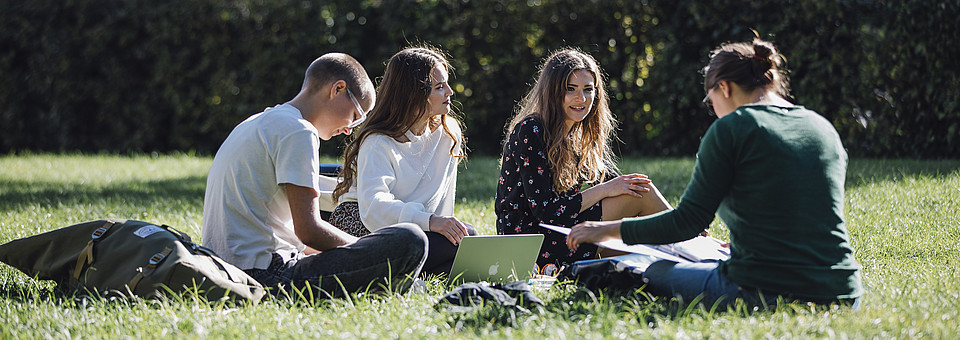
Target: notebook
x: 697, y: 249
x: 496, y: 258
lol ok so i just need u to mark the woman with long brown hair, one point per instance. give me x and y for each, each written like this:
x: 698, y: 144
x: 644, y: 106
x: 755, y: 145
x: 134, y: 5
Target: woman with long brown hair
x: 401, y: 165
x: 557, y: 142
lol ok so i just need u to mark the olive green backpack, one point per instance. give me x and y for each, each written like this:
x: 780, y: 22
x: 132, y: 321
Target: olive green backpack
x: 130, y: 258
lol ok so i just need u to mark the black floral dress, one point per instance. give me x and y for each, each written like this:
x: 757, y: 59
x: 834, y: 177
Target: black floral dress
x: 525, y: 197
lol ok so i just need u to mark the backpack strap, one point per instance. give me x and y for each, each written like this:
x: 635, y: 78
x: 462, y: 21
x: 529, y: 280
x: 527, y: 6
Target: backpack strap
x: 152, y: 264
x: 181, y: 235
x: 221, y: 264
x: 86, y: 255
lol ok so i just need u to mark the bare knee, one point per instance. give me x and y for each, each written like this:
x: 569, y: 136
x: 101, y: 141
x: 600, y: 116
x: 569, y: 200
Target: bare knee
x: 615, y: 208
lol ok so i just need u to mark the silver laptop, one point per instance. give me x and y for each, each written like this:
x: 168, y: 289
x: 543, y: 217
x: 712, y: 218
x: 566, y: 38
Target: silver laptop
x: 496, y: 258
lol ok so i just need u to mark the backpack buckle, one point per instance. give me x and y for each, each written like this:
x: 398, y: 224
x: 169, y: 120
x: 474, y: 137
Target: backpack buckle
x: 99, y: 232
x: 102, y: 230
x: 157, y: 258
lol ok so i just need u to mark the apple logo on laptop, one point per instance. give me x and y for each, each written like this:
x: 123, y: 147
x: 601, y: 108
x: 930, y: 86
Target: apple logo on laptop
x: 493, y: 269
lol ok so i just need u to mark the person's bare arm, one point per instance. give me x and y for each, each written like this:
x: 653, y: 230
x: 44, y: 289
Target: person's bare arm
x: 593, y: 232
x: 307, y: 224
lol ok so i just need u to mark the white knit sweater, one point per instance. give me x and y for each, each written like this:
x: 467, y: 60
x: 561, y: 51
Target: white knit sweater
x: 405, y: 182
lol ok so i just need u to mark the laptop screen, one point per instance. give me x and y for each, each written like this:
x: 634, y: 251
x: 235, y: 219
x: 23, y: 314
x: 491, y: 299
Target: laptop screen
x: 496, y: 258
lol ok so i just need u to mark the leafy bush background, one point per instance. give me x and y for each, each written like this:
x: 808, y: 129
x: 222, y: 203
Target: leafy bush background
x: 142, y: 76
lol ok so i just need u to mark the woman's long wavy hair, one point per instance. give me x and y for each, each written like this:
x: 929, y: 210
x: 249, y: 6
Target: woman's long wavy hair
x: 584, y: 153
x: 401, y: 104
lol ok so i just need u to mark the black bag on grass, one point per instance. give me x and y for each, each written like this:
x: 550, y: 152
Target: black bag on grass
x: 620, y: 274
x: 470, y: 296
x: 130, y: 258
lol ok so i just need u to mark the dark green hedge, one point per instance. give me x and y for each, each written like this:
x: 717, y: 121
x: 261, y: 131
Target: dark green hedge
x: 138, y: 75
x: 884, y: 72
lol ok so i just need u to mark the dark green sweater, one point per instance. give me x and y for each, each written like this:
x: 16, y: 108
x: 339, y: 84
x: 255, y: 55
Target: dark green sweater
x: 775, y: 177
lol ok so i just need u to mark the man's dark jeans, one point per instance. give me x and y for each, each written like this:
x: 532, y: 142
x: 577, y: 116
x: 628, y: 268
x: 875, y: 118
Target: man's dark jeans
x: 389, y: 258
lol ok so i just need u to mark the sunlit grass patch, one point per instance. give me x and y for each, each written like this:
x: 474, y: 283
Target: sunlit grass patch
x: 902, y: 216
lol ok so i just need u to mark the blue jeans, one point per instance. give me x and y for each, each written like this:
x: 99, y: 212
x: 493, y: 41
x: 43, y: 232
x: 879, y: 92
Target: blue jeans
x: 687, y: 281
x: 387, y: 258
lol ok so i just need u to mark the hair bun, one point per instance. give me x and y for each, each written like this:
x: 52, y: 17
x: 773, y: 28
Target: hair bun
x: 752, y: 64
x: 763, y: 53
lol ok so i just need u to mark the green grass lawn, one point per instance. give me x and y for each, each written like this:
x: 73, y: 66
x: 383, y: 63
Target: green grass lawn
x: 902, y: 215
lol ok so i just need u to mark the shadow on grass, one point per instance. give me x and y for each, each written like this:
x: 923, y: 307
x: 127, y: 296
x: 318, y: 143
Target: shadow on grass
x: 19, y: 287
x: 862, y: 172
x: 477, y: 179
x: 579, y: 305
x: 573, y: 305
x: 15, y: 195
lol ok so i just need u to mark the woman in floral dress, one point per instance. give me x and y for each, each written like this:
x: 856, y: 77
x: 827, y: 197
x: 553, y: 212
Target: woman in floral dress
x: 557, y: 143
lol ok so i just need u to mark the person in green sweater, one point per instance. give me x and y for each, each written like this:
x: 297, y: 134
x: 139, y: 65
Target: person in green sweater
x: 774, y: 173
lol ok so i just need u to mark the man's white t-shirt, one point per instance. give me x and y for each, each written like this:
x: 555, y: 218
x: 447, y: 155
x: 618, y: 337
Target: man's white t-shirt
x: 246, y: 215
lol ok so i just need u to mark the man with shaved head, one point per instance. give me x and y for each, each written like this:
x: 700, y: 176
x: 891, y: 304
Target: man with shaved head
x: 261, y: 208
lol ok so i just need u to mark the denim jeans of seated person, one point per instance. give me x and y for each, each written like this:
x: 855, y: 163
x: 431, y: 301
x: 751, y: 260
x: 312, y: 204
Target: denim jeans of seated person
x: 440, y: 254
x: 688, y: 281
x: 389, y: 258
